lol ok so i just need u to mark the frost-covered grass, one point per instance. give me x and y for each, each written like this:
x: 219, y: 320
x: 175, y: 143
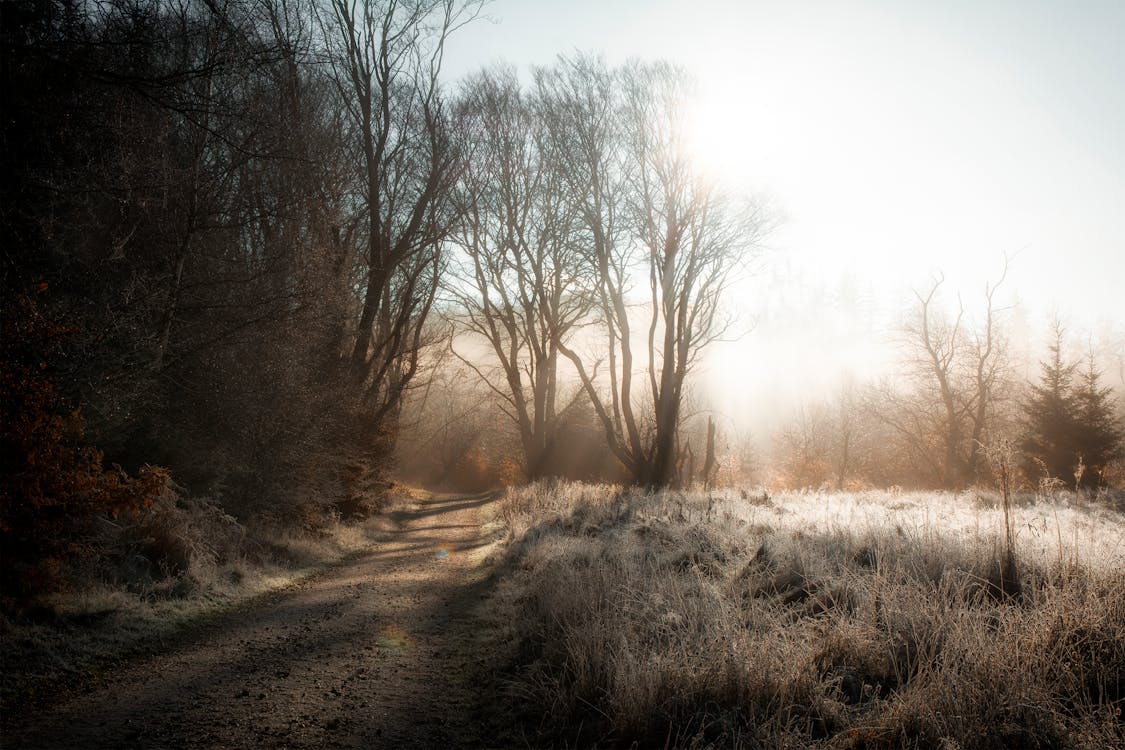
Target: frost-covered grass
x: 737, y: 619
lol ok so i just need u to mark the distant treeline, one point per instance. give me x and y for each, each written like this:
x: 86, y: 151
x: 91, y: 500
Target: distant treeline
x: 958, y: 415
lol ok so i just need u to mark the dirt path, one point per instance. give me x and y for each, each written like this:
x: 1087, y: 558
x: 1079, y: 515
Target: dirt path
x: 376, y: 652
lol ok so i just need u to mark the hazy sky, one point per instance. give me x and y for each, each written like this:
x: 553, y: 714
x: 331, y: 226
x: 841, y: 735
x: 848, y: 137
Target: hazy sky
x: 898, y: 138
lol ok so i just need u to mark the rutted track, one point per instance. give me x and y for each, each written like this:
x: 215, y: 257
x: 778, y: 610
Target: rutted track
x: 375, y: 652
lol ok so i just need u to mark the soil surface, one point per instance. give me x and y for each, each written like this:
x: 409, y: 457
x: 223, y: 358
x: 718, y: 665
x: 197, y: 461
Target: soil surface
x: 378, y: 651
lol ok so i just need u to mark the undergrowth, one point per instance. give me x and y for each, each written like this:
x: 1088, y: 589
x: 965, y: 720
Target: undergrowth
x: 875, y: 620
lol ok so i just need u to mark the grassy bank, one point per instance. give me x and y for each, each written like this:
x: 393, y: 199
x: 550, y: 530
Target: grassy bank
x: 874, y: 620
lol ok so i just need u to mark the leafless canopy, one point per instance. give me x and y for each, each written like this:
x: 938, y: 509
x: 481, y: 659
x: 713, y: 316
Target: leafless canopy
x: 644, y: 216
x: 520, y: 287
x: 385, y: 58
x: 958, y: 373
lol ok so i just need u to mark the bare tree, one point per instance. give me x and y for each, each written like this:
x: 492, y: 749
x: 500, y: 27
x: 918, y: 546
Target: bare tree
x: 803, y: 447
x: 386, y: 56
x: 709, y: 465
x: 644, y: 207
x: 520, y: 287
x: 988, y: 360
x: 850, y: 447
x: 938, y: 344
x: 957, y: 378
x: 205, y: 207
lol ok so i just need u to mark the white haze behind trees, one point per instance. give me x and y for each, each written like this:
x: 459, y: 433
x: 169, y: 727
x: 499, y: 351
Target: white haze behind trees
x: 899, y: 141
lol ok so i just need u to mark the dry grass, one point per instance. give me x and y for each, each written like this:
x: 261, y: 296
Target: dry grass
x: 873, y: 620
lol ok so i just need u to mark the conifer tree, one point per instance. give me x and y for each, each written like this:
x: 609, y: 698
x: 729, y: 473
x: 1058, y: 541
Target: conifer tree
x: 1049, y: 445
x: 1098, y: 436
x: 1073, y: 430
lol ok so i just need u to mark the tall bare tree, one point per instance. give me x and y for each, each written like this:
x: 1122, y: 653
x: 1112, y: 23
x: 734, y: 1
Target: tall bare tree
x: 580, y: 105
x: 958, y: 374
x: 386, y: 56
x: 645, y: 211
x: 520, y: 287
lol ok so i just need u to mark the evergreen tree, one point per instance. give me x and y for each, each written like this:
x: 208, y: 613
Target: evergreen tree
x: 1049, y: 444
x: 1098, y: 436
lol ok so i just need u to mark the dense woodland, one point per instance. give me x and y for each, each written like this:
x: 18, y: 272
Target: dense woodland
x: 259, y: 254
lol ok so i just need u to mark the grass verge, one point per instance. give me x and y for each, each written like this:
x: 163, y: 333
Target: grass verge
x: 874, y: 620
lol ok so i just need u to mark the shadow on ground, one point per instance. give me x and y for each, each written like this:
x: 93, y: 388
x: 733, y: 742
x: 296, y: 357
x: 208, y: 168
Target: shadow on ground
x: 379, y: 651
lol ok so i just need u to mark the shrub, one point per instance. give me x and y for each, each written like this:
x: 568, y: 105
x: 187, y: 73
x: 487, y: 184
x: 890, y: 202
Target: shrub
x: 53, y: 485
x: 178, y: 541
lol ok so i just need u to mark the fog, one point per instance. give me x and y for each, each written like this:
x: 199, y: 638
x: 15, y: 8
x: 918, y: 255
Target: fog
x: 896, y: 143
x: 642, y: 373
x: 792, y: 245
x: 804, y: 334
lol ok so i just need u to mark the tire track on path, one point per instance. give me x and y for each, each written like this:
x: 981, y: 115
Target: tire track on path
x: 375, y: 652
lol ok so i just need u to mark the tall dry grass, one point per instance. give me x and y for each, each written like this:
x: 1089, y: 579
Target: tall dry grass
x: 874, y: 620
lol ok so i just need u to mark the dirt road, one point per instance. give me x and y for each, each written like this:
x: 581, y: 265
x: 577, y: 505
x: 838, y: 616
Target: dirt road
x: 376, y: 652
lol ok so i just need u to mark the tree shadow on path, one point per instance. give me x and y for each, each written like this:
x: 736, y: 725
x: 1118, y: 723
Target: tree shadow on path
x: 378, y: 651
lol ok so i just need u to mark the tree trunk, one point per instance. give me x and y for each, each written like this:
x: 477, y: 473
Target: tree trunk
x: 709, y: 462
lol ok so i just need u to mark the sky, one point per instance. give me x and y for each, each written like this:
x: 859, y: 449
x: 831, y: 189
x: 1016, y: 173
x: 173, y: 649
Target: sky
x: 896, y: 140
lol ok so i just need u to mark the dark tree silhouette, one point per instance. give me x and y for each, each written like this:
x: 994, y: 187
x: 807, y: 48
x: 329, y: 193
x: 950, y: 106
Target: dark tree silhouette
x: 1073, y: 431
x: 1048, y: 444
x: 1099, y: 435
x: 386, y: 59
